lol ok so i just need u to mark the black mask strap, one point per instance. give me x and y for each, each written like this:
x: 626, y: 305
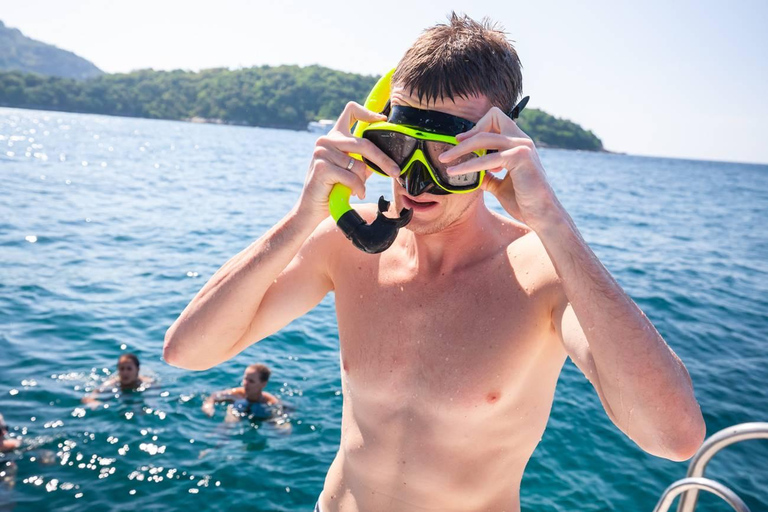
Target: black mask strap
x: 429, y: 120
x: 515, y: 112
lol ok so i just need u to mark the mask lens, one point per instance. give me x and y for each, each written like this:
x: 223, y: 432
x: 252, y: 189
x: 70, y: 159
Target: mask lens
x: 395, y: 145
x: 435, y: 149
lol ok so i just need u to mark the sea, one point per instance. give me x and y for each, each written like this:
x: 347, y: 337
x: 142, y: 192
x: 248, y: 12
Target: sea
x: 109, y: 226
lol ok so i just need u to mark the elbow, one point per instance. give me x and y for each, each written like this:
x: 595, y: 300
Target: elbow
x: 687, y: 440
x: 175, y: 355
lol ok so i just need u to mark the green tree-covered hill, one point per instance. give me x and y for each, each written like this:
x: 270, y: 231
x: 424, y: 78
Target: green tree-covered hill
x: 21, y: 53
x: 278, y: 97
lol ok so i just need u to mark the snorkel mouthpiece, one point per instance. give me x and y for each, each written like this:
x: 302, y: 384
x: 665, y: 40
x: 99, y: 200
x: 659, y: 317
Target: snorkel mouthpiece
x: 377, y: 236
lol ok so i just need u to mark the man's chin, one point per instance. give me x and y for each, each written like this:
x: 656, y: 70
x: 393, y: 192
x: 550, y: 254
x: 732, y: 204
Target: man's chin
x: 419, y: 226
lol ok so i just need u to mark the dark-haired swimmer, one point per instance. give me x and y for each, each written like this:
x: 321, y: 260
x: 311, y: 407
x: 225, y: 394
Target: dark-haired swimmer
x: 127, y: 379
x: 250, y: 399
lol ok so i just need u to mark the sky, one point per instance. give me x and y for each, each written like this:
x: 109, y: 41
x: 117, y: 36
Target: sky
x: 684, y: 79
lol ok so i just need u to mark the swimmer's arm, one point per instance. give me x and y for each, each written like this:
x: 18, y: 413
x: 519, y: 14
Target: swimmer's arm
x: 271, y: 399
x: 227, y: 395
x: 92, y: 397
x: 8, y: 445
x: 276, y: 279
x: 643, y: 385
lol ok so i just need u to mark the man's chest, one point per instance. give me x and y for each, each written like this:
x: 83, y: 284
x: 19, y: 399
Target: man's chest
x: 463, y: 336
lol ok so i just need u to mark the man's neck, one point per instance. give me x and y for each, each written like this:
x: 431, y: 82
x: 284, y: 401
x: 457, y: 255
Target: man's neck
x: 257, y: 397
x: 454, y: 246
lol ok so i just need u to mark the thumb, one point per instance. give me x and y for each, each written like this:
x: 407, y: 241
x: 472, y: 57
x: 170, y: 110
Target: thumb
x: 491, y: 183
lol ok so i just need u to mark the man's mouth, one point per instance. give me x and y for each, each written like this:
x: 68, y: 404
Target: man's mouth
x: 418, y: 206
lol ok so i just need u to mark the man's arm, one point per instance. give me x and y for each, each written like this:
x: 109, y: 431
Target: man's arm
x: 273, y: 281
x: 643, y: 385
x: 284, y: 273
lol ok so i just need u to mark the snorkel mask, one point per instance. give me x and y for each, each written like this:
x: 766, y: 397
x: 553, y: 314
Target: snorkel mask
x: 414, y: 139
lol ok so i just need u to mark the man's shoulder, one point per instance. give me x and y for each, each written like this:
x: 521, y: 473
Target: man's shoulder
x: 232, y: 392
x: 525, y: 249
x: 271, y: 399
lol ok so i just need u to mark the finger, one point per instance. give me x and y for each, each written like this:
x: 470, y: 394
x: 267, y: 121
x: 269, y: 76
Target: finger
x: 483, y: 140
x: 368, y: 149
x: 491, y: 183
x: 354, y: 112
x: 484, y: 163
x: 336, y: 174
x: 493, y: 121
x: 342, y: 159
x: 492, y: 162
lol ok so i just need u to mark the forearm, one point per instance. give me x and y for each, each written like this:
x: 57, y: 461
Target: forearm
x: 221, y: 312
x: 647, y: 387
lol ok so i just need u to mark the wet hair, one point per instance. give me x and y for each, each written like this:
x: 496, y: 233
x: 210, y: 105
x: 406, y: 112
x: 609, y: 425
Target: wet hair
x: 264, y: 371
x: 130, y: 356
x: 462, y: 58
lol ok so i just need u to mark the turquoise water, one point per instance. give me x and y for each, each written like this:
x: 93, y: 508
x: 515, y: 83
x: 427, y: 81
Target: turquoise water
x: 109, y: 226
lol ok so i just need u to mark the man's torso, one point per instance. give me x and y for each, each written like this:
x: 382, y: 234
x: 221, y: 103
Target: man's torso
x: 448, y: 378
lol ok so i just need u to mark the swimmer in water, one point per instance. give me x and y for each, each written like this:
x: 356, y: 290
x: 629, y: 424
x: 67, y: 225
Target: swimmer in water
x: 7, y: 444
x: 250, y: 399
x: 127, y: 379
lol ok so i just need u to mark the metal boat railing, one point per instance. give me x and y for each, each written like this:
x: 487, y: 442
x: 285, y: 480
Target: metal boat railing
x: 688, y: 488
x: 688, y: 485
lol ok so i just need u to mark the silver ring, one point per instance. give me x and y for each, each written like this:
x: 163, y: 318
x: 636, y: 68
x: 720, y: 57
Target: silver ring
x: 350, y: 164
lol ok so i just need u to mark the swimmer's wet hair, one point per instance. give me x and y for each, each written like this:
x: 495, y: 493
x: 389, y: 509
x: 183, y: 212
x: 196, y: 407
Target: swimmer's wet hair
x: 462, y: 58
x: 130, y: 356
x: 264, y: 371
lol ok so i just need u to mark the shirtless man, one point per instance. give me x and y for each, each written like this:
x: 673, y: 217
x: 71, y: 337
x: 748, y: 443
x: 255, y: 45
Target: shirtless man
x: 452, y: 340
x: 248, y: 399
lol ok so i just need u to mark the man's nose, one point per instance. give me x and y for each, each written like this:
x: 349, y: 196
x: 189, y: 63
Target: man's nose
x: 416, y: 179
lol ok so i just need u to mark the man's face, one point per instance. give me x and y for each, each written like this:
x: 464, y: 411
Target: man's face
x: 433, y: 213
x: 128, y: 371
x: 252, y: 382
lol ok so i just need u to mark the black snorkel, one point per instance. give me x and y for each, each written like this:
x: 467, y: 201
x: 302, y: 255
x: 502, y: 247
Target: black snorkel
x: 379, y: 235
